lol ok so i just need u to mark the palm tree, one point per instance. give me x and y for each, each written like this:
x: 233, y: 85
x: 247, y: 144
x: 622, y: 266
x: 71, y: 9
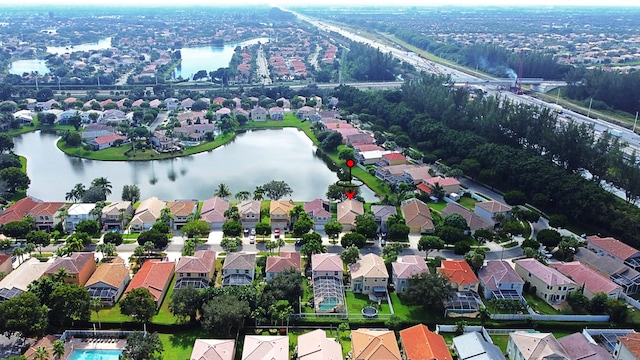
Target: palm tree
x: 243, y: 195
x: 95, y: 305
x: 76, y: 193
x: 103, y: 184
x: 58, y: 349
x: 280, y: 242
x: 29, y: 248
x: 258, y: 193
x: 74, y: 244
x: 18, y: 252
x: 60, y: 275
x: 222, y: 191
x: 41, y: 353
x: 138, y: 251
x: 149, y: 246
x: 107, y: 250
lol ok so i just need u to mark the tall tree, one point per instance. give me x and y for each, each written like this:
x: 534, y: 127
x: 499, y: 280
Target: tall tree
x: 95, y: 304
x: 103, y: 184
x: 430, y: 290
x: 276, y: 189
x: 185, y: 302
x: 139, y: 304
x: 225, y: 312
x: 350, y: 255
x: 222, y: 191
x: 243, y: 195
x: 143, y: 346
x: 131, y: 193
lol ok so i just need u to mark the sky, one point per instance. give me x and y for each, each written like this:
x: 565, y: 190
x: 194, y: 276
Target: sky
x: 285, y: 3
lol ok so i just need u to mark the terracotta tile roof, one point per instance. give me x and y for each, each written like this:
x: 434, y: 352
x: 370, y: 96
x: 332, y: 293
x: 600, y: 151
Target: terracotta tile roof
x: 213, y: 349
x: 46, y: 209
x: 613, y: 246
x: 111, y: 273
x: 240, y: 261
x: 409, y: 265
x: 46, y: 342
x: 348, y: 210
x: 201, y: 262
x: 632, y: 342
x: 278, y: 207
x: 154, y: 275
x: 498, y: 272
x: 369, y: 266
x: 417, y: 214
x: 473, y: 220
x: 109, y: 138
x: 182, y: 208
x: 265, y: 348
x: 73, y: 263
x: 18, y: 210
x: 317, y: 207
x: 394, y: 156
x: 443, y: 181
x: 582, y: 275
x: 374, y: 345
x: 20, y: 278
x: 286, y: 260
x: 4, y: 257
x: 213, y: 210
x: 420, y: 343
x: 493, y: 206
x: 115, y: 207
x: 424, y: 188
x: 326, y: 262
x: 458, y: 271
x: 367, y: 147
x: 548, y: 275
x: 315, y: 345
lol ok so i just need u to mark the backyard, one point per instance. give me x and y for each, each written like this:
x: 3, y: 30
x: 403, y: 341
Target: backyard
x: 356, y: 302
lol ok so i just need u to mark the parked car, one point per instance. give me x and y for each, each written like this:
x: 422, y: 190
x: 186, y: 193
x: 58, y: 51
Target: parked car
x: 252, y: 239
x: 253, y: 232
x: 246, y: 231
x: 276, y: 233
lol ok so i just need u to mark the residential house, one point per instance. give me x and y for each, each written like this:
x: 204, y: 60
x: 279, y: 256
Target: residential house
x: 46, y: 215
x: 276, y: 113
x: 18, y: 210
x: 405, y: 268
x: 417, y: 216
x: 77, y: 213
x: 155, y: 276
x: 277, y: 264
x: 259, y: 113
x: 370, y: 157
x: 360, y: 138
x: 279, y: 214
x: 615, y: 249
x: 92, y: 116
x: 315, y: 345
x: 577, y: 346
x: 368, y: 344
x: 108, y: 281
x: 628, y: 347
x: 592, y: 282
x: 305, y: 112
x: 619, y: 273
x: 17, y: 281
x: 420, y: 343
x: 6, y: 264
x: 498, y: 277
x: 238, y: 269
x: 550, y: 285
x: 187, y: 103
x: 89, y: 135
x: 348, y: 210
x: 366, y: 147
x: 286, y: 103
x: 525, y: 345
x: 474, y: 221
x: 265, y: 348
x: 105, y: 142
x: 45, y: 343
x: 393, y: 158
x: 213, y: 212
x: 147, y: 213
x: 393, y: 174
x: 490, y: 210
x: 155, y: 103
x: 249, y: 211
x: 369, y: 276
x: 416, y: 175
x: 472, y: 346
x: 79, y: 267
x: 382, y: 214
x: 181, y: 212
x: 213, y: 349
x: 113, y: 116
x: 327, y: 266
x: 460, y: 275
x: 223, y: 113
x: 171, y: 103
x: 319, y: 211
x: 197, y: 270
x: 116, y: 215
x: 448, y: 184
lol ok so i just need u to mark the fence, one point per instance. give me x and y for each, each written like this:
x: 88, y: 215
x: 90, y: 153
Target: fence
x: 631, y: 301
x: 95, y: 333
x: 469, y: 328
x: 539, y: 317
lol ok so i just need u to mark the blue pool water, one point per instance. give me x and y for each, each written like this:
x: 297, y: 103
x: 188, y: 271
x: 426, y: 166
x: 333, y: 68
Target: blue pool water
x: 328, y: 304
x: 95, y: 355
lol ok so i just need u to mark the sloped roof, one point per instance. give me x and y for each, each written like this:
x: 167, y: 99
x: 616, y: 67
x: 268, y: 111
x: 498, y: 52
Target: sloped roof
x: 45, y: 342
x: 25, y: 274
x: 582, y: 275
x: 241, y: 261
x: 265, y: 348
x: 578, y: 347
x: 74, y: 263
x: 80, y: 209
x: 18, y: 210
x: 182, y: 208
x: 383, y: 211
x: 111, y: 273
x: 46, y: 208
x: 632, y: 342
x: 534, y: 346
x: 213, y: 349
x: 369, y: 344
x: 497, y: 272
x: 420, y: 172
x: 4, y: 257
x: 605, y: 264
x: 420, y: 343
x: 369, y: 266
x: 249, y: 207
x: 154, y: 276
x: 285, y: 260
x: 443, y: 181
x: 315, y: 345
x: 548, y: 275
x: 417, y: 214
x: 458, y: 271
x: 202, y: 261
x: 473, y: 346
x: 213, y: 209
x: 152, y: 206
x: 473, y: 220
x: 115, y: 207
x: 326, y: 262
x: 316, y: 208
x: 613, y: 246
x: 278, y: 207
x: 493, y: 206
x: 409, y: 265
x: 348, y: 210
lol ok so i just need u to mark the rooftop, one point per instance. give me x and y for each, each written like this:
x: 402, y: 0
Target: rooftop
x: 458, y: 272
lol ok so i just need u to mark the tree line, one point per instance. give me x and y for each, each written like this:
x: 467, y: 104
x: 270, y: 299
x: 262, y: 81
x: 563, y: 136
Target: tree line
x: 609, y: 90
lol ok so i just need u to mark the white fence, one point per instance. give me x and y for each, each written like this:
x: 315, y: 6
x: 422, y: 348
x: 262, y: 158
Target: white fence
x: 631, y: 301
x: 469, y: 328
x: 539, y: 317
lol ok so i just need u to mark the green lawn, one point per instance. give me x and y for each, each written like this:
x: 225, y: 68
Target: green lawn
x: 356, y: 302
x: 501, y: 341
x: 164, y: 316
x: 439, y: 206
x: 179, y: 346
x: 415, y: 313
x: 539, y: 305
x: 469, y: 203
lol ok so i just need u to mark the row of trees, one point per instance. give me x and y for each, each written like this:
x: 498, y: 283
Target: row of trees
x: 274, y: 190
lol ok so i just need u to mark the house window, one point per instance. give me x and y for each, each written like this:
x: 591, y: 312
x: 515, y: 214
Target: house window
x: 529, y: 274
x: 366, y: 288
x: 246, y: 271
x: 545, y: 296
x: 334, y: 273
x: 375, y: 280
x: 188, y: 274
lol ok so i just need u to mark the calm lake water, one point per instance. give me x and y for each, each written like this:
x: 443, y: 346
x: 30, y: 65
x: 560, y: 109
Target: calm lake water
x: 252, y: 159
x: 20, y: 67
x: 100, y: 45
x: 209, y: 58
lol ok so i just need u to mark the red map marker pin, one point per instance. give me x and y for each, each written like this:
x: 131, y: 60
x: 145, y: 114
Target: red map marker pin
x: 350, y: 194
x: 351, y: 163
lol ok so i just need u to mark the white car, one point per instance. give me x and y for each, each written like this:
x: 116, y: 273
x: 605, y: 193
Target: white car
x: 252, y: 239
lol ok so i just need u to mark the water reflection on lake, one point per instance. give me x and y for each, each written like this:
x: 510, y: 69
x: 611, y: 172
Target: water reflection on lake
x: 20, y: 67
x: 100, y: 45
x: 252, y: 159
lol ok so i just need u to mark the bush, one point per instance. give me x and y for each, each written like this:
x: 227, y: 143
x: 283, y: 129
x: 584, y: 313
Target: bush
x: 461, y: 247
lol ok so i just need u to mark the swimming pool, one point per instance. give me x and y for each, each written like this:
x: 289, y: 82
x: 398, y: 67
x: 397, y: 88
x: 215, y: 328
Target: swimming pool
x: 190, y: 143
x: 95, y: 355
x: 327, y: 304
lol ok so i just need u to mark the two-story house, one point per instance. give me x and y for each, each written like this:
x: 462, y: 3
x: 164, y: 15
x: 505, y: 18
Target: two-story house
x: 249, y: 211
x: 277, y: 264
x: 382, y: 213
x: 46, y: 215
x: 406, y: 267
x: 279, y: 213
x: 181, y: 212
x: 79, y: 266
x: 496, y: 277
x: 348, y: 210
x: 147, y: 213
x: 460, y: 275
x: 615, y: 249
x: 328, y: 288
x: 550, y: 284
x: 116, y: 215
x: 276, y: 113
x: 155, y: 276
x: 369, y: 276
x: 197, y: 270
x: 319, y: 211
x: 238, y: 269
x: 259, y: 113
x: 489, y: 210
x: 108, y: 281
x: 77, y: 213
x: 448, y: 184
x: 213, y: 212
x: 591, y: 281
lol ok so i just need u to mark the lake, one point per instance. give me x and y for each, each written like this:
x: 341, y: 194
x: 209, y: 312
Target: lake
x: 102, y: 44
x: 252, y: 159
x: 20, y: 67
x: 209, y: 58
